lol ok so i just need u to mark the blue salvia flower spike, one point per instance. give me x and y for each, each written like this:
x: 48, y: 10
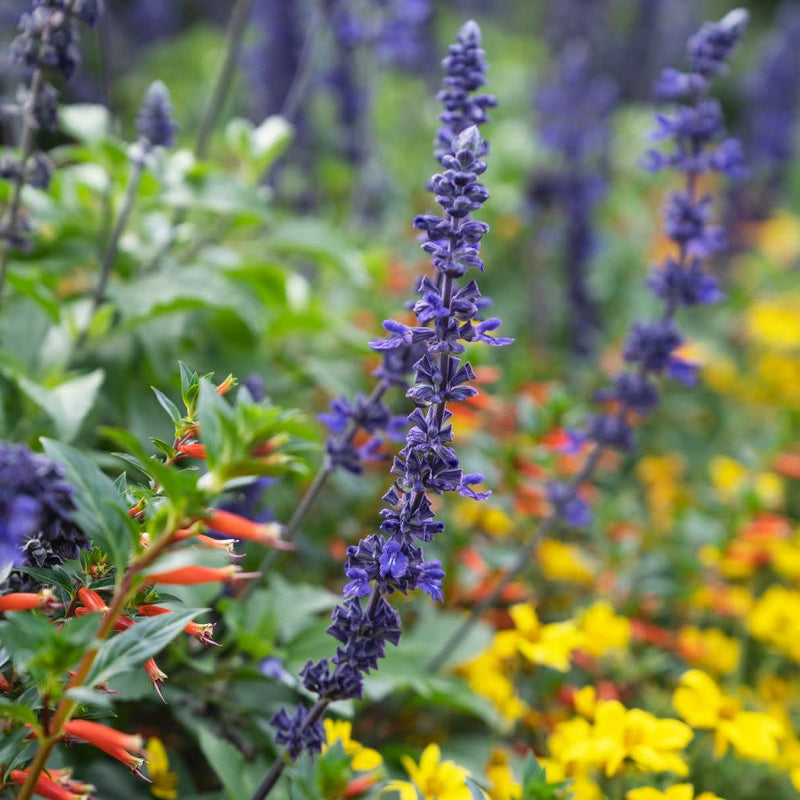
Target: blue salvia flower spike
x: 393, y: 560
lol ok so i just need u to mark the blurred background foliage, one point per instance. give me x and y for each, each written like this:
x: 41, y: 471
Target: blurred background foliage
x: 275, y: 257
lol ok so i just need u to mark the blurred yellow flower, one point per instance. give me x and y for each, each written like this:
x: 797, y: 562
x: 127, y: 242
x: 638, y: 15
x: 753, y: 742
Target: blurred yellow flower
x: 549, y: 645
x: 769, y: 489
x: 661, y: 476
x: 362, y: 758
x: 700, y: 702
x: 603, y: 630
x: 775, y: 323
x: 728, y: 476
x: 619, y: 734
x: 585, y: 701
x: 779, y: 238
x: 434, y: 778
x: 710, y: 649
x: 501, y: 778
x: 488, y: 675
x: 581, y: 785
x: 651, y: 743
x: 775, y: 619
x: 495, y: 521
x: 680, y: 791
x: 164, y: 783
x: 564, y: 562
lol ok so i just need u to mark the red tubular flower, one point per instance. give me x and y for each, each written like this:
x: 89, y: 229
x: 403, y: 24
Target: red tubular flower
x: 226, y: 385
x: 360, y: 785
x: 45, y: 787
x: 118, y: 745
x: 185, y: 576
x: 27, y: 601
x: 200, y: 631
x: 63, y: 777
x: 91, y: 599
x: 5, y: 686
x: 156, y: 675
x: 192, y: 449
x: 242, y: 528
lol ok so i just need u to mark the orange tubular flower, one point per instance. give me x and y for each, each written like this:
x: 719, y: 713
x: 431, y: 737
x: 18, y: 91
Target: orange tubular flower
x: 118, y: 745
x: 45, y: 787
x: 27, y: 601
x: 242, y: 528
x: 200, y: 631
x: 91, y: 599
x: 360, y: 785
x: 192, y: 449
x: 185, y: 576
x: 5, y: 686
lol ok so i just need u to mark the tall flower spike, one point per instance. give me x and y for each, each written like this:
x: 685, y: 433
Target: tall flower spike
x: 574, y: 111
x: 154, y: 123
x: 696, y: 132
x: 48, y: 41
x: 379, y: 566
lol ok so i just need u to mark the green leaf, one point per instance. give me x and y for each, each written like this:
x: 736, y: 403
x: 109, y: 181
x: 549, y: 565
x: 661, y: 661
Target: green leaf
x: 67, y: 404
x: 168, y: 406
x: 14, y: 710
x: 212, y: 410
x: 475, y: 791
x: 88, y: 696
x: 50, y: 577
x: 133, y: 647
x: 227, y: 762
x: 101, y: 512
x: 87, y: 122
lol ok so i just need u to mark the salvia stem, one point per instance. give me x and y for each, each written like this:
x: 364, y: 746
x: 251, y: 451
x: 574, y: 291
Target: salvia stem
x: 110, y: 254
x: 10, y: 219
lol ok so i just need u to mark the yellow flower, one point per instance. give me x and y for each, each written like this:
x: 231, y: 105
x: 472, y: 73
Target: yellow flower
x: 700, y: 702
x: 503, y: 786
x: 619, y: 734
x: 165, y: 783
x: 775, y: 619
x: 496, y: 522
x: 585, y: 701
x: 564, y: 562
x: 769, y: 489
x: 649, y: 742
x: 362, y: 758
x: 779, y: 238
x: 435, y: 779
x: 603, y: 630
x: 775, y: 323
x: 728, y: 476
x: 486, y: 676
x: 661, y: 476
x: 710, y: 649
x: 548, y: 645
x: 786, y: 558
x: 680, y: 791
x: 581, y: 786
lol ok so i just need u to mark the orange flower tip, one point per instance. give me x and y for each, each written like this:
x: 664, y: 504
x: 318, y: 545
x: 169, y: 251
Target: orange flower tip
x: 360, y: 785
x: 226, y: 385
x: 144, y: 540
x: 5, y: 686
x: 203, y: 632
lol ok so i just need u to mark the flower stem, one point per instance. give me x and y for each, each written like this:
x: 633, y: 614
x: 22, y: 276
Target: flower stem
x: 112, y: 248
x: 66, y: 706
x: 10, y: 220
